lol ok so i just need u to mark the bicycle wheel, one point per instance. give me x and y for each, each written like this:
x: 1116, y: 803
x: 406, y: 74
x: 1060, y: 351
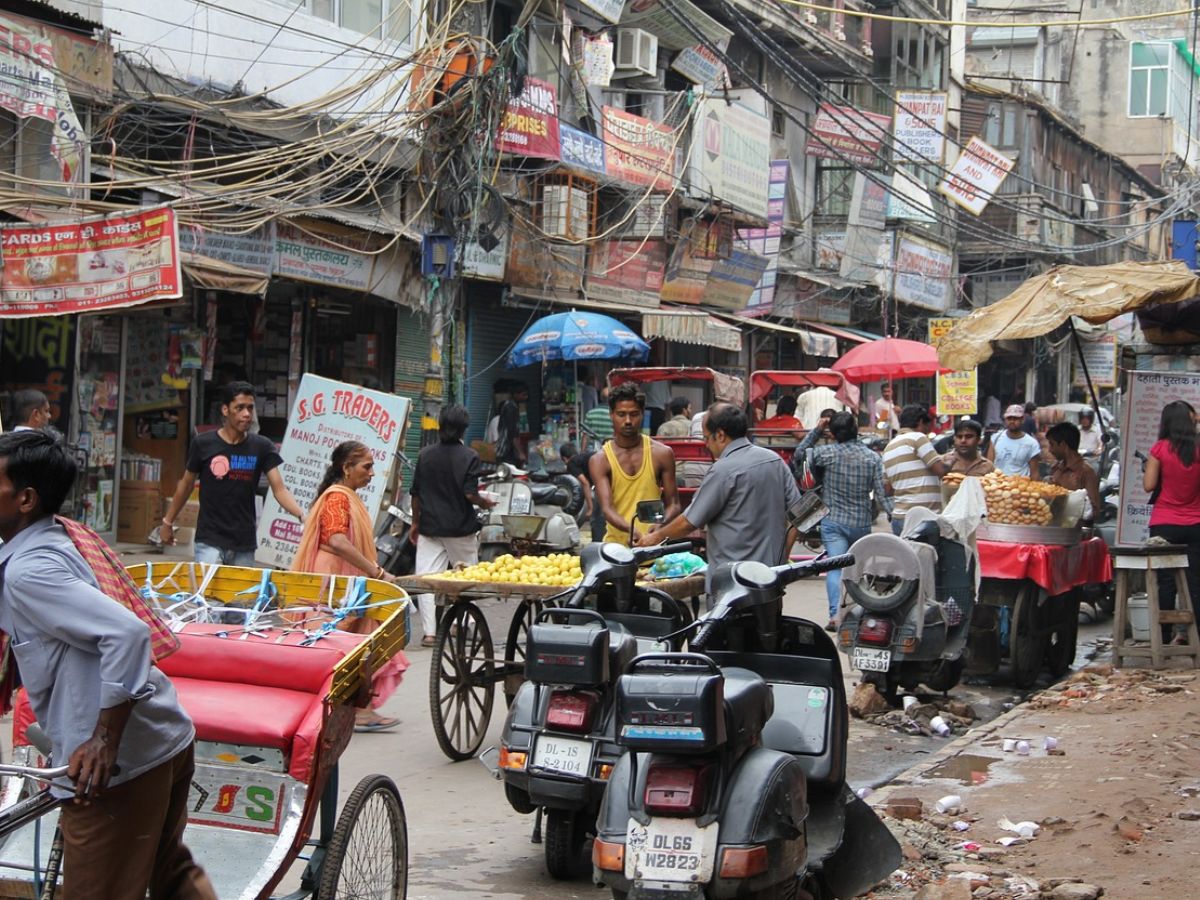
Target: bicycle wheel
x: 368, y: 853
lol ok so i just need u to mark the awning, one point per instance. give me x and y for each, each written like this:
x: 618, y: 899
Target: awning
x: 843, y: 333
x: 574, y: 300
x: 813, y: 344
x: 686, y: 326
x: 215, y: 275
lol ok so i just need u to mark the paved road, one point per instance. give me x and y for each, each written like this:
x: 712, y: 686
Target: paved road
x: 465, y: 840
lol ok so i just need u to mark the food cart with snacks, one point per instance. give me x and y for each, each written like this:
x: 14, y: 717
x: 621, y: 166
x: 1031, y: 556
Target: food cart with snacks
x: 1033, y: 558
x: 465, y: 668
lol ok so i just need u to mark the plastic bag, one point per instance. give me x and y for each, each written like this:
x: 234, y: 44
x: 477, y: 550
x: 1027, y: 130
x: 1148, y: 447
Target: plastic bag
x: 677, y: 565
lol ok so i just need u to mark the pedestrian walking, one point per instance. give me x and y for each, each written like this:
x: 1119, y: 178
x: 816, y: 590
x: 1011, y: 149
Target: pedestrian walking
x: 852, y: 476
x: 445, y: 494
x: 577, y: 466
x: 228, y: 463
x: 597, y: 422
x: 912, y: 467
x: 84, y: 642
x: 1014, y: 451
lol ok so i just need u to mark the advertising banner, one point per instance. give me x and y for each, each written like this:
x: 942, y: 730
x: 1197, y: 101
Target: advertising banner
x: 304, y: 257
x: 101, y: 262
x: 638, y: 150
x: 1148, y: 393
x: 976, y: 176
x: 923, y: 273
x: 958, y: 393
x: 731, y: 155
x: 627, y: 271
x: 542, y: 265
x: 701, y: 65
x: 847, y: 134
x: 864, y: 257
x: 486, y: 265
x: 581, y: 150
x: 732, y: 281
x: 1100, y: 357
x: 254, y: 250
x: 530, y: 125
x: 326, y: 413
x: 765, y: 241
x: 919, y: 126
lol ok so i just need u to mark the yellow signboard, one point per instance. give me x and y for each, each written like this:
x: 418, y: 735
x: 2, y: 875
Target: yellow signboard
x: 938, y: 329
x: 957, y: 392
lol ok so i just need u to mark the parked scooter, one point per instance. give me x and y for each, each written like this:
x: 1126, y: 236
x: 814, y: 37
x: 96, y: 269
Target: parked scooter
x: 558, y: 744
x: 396, y: 553
x: 733, y: 783
x: 913, y: 600
x: 558, y: 502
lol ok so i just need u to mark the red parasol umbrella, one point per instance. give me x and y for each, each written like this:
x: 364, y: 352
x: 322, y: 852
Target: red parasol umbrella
x: 887, y: 359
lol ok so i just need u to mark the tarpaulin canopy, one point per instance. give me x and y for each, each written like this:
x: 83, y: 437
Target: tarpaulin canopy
x: 218, y: 275
x: 729, y: 388
x: 1044, y: 302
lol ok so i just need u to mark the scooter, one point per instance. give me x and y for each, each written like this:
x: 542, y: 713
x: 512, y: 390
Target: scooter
x: 558, y: 743
x: 733, y: 780
x: 396, y: 553
x: 558, y: 502
x: 911, y: 615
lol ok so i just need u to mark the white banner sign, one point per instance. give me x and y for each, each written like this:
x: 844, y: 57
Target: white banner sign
x: 919, y: 129
x: 1148, y: 393
x: 731, y: 155
x: 976, y: 176
x: 306, y: 258
x: 325, y: 414
x: 923, y: 274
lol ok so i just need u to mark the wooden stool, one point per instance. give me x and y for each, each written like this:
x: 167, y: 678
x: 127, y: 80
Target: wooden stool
x: 1151, y: 560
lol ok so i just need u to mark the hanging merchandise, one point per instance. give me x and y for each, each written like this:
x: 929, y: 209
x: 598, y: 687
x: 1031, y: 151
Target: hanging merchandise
x: 595, y: 53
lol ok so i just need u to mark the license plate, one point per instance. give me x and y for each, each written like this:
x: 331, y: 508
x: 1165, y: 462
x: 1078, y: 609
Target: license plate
x: 867, y: 660
x: 521, y: 505
x: 669, y: 850
x: 559, y: 754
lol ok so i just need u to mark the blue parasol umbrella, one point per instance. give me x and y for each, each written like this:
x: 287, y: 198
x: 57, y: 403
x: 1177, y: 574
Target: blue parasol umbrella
x: 574, y: 336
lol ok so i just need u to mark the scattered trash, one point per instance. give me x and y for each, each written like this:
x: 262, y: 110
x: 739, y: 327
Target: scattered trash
x: 1009, y: 745
x: 1049, y: 743
x: 904, y: 808
x: 939, y: 726
x: 1188, y: 815
x: 970, y: 846
x: 863, y: 793
x: 1129, y: 830
x: 950, y: 804
x: 960, y: 825
x: 1023, y: 748
x: 1024, y: 829
x: 1010, y: 841
x: 909, y: 702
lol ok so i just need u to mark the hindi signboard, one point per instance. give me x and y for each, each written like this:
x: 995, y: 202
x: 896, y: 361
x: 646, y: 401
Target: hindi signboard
x: 731, y: 155
x: 326, y: 413
x: 638, y: 150
x: 627, y: 271
x: 1100, y: 359
x: 530, y: 124
x: 765, y: 241
x: 1147, y: 394
x: 847, y: 134
x: 924, y: 272
x: 85, y: 265
x: 919, y: 126
x: 581, y: 150
x: 304, y: 257
x: 976, y: 176
x: 254, y: 250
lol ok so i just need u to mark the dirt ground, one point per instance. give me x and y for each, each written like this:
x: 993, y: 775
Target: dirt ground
x: 1117, y: 802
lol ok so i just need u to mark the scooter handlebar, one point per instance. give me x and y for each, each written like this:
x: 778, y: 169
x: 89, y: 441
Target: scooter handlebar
x: 642, y: 554
x: 795, y: 571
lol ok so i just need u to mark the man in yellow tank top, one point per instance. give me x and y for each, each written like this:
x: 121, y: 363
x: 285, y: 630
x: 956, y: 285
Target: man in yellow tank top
x: 632, y: 467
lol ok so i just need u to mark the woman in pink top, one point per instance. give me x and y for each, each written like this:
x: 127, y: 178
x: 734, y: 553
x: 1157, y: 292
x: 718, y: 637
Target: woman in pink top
x: 1174, y: 471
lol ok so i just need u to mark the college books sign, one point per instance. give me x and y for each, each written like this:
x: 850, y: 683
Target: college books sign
x: 325, y: 414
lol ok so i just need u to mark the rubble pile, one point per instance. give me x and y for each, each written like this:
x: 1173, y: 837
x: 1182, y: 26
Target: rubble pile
x: 1111, y: 688
x: 917, y: 717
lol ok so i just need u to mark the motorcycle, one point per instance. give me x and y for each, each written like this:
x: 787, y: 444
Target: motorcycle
x: 550, y: 510
x: 397, y: 554
x: 913, y: 599
x: 733, y: 779
x: 558, y: 744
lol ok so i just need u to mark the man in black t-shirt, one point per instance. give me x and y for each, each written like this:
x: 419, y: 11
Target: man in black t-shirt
x: 228, y: 463
x: 577, y: 467
x: 445, y: 492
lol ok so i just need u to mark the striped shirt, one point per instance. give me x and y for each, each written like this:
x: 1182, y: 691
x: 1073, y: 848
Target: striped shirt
x: 598, y: 421
x: 906, y: 464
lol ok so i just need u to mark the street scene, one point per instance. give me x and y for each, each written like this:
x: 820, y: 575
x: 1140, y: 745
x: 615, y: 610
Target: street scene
x: 658, y: 449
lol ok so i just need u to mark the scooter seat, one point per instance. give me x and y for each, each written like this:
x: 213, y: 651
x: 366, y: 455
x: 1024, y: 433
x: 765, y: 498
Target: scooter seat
x: 748, y: 705
x: 549, y: 495
x: 622, y: 648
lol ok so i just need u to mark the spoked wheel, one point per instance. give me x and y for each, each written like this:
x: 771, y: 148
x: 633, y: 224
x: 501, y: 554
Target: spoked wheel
x: 514, y: 646
x: 461, y: 680
x: 1027, y: 643
x: 368, y: 853
x: 1060, y: 649
x: 568, y: 850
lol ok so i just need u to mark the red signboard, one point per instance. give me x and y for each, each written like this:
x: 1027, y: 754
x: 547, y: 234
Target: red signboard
x: 530, y: 126
x: 89, y: 264
x: 847, y: 134
x: 627, y: 271
x: 638, y: 150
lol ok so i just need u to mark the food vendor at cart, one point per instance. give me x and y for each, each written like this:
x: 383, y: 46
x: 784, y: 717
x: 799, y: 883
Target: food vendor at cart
x: 1070, y: 470
x: 965, y: 458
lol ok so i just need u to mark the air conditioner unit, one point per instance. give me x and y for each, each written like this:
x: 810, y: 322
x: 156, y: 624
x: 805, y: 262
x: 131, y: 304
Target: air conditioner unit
x: 637, y: 53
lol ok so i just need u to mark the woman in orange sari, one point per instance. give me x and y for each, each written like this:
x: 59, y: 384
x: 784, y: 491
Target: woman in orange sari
x: 339, y: 539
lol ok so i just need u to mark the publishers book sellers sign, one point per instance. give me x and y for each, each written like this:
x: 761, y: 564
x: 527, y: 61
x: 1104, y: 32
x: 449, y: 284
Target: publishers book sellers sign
x: 919, y: 126
x: 301, y: 256
x: 976, y: 176
x: 638, y: 150
x: 847, y: 134
x: 90, y: 264
x: 530, y: 126
x: 324, y: 414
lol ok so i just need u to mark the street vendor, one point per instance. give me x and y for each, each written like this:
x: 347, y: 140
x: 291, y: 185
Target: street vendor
x: 632, y: 466
x: 1071, y: 470
x: 965, y: 458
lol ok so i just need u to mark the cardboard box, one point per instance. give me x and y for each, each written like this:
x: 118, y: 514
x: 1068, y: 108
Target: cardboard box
x: 139, y: 509
x: 188, y: 515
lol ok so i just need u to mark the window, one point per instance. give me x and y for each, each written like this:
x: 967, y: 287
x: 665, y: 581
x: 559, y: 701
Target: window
x: 1149, y: 78
x: 391, y: 19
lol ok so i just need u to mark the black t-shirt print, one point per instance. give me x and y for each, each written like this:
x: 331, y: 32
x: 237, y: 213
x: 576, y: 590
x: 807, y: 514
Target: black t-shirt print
x: 228, y: 475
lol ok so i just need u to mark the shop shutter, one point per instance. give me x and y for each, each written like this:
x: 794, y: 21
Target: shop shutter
x: 412, y: 361
x: 491, y: 331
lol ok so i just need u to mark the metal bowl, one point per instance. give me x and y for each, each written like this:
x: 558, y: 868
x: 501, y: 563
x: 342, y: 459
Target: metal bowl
x: 523, y: 528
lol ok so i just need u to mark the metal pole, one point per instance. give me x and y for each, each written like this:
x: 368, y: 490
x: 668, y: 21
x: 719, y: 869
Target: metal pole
x: 1088, y: 378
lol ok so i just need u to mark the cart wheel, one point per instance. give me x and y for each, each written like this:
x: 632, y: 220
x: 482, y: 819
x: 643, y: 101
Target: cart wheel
x: 460, y: 682
x: 568, y: 847
x: 1027, y: 646
x: 368, y: 853
x: 514, y: 643
x: 1060, y: 649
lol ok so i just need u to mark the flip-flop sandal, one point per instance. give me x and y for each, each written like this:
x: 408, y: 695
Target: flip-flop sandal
x: 428, y: 641
x: 376, y: 725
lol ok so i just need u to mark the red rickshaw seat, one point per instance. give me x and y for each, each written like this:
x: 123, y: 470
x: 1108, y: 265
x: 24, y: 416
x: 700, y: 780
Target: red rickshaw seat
x: 246, y: 714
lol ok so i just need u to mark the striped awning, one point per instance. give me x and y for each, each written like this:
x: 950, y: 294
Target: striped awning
x: 688, y: 326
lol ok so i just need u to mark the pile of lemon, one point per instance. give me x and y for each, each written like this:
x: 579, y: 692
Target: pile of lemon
x: 554, y: 570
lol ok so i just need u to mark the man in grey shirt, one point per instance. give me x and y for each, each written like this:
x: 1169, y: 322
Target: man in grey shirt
x: 84, y: 660
x: 743, y: 500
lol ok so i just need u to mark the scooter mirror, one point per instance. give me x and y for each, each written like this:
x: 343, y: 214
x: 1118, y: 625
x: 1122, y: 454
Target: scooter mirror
x: 651, y: 512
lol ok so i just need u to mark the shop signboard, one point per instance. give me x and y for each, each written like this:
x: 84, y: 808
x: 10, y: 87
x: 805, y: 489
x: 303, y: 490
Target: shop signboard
x: 862, y: 253
x: 581, y: 150
x: 686, y: 275
x: 530, y: 125
x: 732, y: 280
x: 326, y: 413
x: 539, y: 264
x: 909, y: 199
x: 731, y: 155
x: 976, y: 176
x: 304, y: 257
x: 39, y: 354
x: 765, y: 241
x: 957, y: 393
x: 923, y: 273
x: 847, y: 134
x: 1148, y: 393
x: 627, y: 271
x: 829, y: 248
x: 638, y: 150
x: 919, y: 126
x: 86, y: 265
x: 486, y: 265
x: 254, y: 250
x: 701, y: 65
x: 663, y: 19
x: 1100, y: 357
x: 609, y: 10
